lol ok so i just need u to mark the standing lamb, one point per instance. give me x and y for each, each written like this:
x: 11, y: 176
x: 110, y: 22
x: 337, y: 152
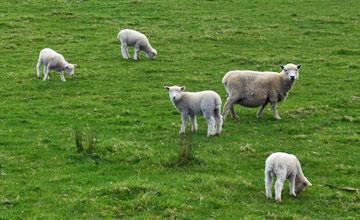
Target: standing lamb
x: 206, y: 103
x: 132, y: 38
x: 53, y: 61
x: 284, y: 166
x: 252, y: 89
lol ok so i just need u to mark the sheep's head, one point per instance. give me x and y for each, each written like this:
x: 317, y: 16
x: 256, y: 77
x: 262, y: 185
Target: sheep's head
x: 152, y: 54
x: 69, y: 69
x: 175, y: 92
x: 291, y: 71
x: 301, y: 184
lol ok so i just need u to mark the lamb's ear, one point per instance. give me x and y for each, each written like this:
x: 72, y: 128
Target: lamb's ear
x: 75, y: 65
x: 282, y: 66
x: 298, y: 66
x: 182, y: 88
x: 307, y: 183
x: 167, y: 88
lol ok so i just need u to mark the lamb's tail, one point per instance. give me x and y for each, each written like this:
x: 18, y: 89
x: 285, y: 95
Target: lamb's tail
x: 38, y: 66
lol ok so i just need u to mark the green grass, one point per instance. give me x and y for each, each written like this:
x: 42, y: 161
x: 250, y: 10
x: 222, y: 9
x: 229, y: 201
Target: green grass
x: 132, y: 170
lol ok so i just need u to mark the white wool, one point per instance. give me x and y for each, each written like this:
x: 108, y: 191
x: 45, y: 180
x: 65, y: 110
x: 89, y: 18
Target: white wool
x: 132, y: 38
x: 206, y: 103
x: 53, y: 61
x: 284, y: 166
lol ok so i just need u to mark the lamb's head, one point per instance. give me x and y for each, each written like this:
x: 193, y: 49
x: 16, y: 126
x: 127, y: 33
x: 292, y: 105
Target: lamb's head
x: 175, y: 92
x: 152, y: 54
x: 291, y: 71
x: 301, y: 183
x: 69, y: 69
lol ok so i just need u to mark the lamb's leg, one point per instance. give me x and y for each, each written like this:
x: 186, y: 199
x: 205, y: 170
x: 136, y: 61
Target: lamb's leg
x: 193, y: 123
x: 62, y: 76
x: 292, y: 185
x: 218, y: 121
x: 261, y: 111
x: 47, y: 71
x: 184, y: 117
x: 278, y: 188
x: 136, y: 52
x: 268, y: 184
x: 276, y: 115
x: 124, y: 51
x: 210, y: 121
x: 38, y: 66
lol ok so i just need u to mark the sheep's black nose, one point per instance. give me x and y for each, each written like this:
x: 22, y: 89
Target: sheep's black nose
x: 292, y: 77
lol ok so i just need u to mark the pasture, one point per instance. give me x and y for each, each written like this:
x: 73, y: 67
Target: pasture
x: 130, y: 167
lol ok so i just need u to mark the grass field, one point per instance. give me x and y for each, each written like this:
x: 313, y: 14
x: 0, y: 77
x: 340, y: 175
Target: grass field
x: 133, y: 171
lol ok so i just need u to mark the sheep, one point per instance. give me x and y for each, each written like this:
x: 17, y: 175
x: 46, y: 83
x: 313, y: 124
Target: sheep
x: 54, y: 61
x: 284, y: 166
x: 132, y: 38
x: 206, y: 103
x: 252, y: 89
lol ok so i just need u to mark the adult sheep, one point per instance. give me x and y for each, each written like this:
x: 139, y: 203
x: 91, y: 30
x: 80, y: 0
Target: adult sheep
x: 54, y: 61
x: 252, y: 88
x: 206, y: 103
x: 132, y: 38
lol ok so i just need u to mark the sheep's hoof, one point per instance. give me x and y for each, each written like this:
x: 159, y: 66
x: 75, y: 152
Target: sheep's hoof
x: 278, y: 200
x: 38, y: 77
x: 277, y: 118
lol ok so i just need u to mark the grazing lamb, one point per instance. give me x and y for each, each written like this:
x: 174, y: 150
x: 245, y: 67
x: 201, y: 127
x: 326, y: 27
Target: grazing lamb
x: 206, y: 103
x: 132, y: 38
x: 53, y: 61
x: 253, y: 89
x: 284, y: 166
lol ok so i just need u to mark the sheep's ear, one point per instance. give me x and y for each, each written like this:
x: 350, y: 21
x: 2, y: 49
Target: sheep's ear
x: 182, y: 88
x: 282, y: 66
x: 167, y: 88
x: 298, y: 66
x: 75, y: 65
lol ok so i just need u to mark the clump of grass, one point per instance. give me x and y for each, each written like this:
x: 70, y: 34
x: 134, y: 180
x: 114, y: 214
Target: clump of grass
x: 88, y: 150
x: 186, y: 151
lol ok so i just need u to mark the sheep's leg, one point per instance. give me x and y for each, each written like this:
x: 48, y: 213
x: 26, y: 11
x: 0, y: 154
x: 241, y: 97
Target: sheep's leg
x: 268, y: 184
x: 47, y: 71
x: 276, y: 115
x: 38, y: 66
x: 193, y: 123
x: 278, y: 187
x: 228, y: 107
x: 184, y: 117
x: 261, y: 111
x: 292, y: 185
x: 218, y: 121
x: 233, y: 113
x: 62, y: 77
x: 124, y: 51
x: 210, y: 121
x: 136, y: 52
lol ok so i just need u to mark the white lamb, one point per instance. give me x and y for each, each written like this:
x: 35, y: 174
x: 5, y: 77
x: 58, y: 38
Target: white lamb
x: 206, y: 103
x: 132, y: 38
x: 284, y: 166
x: 54, y: 61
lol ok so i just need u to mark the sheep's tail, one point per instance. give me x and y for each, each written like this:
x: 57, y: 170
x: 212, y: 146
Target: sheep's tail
x: 224, y: 81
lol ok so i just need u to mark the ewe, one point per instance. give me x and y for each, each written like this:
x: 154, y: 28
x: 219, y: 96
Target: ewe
x: 132, y: 38
x: 206, y: 103
x: 284, y: 166
x: 53, y: 61
x: 252, y: 89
